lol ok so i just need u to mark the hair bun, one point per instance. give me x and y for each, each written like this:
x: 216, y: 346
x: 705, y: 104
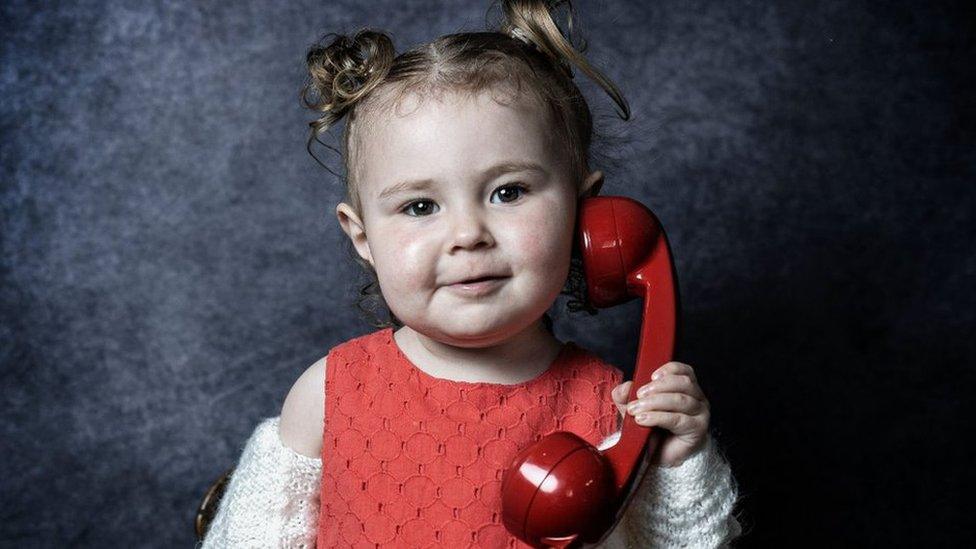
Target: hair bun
x: 343, y: 72
x: 532, y: 23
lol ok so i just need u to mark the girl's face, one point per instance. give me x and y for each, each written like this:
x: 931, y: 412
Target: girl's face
x: 462, y: 188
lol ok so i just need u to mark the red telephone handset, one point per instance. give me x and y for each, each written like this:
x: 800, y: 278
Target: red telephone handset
x: 561, y: 490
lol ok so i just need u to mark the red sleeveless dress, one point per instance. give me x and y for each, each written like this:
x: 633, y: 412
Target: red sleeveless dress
x: 410, y: 460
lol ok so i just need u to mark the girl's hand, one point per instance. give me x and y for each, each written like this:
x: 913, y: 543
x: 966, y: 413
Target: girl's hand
x: 674, y: 402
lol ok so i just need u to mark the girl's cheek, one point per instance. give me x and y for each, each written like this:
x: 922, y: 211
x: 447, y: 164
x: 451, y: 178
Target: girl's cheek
x: 542, y: 239
x: 412, y: 256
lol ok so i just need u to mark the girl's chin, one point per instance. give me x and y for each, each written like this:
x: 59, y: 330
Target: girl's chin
x: 476, y: 332
x: 468, y: 337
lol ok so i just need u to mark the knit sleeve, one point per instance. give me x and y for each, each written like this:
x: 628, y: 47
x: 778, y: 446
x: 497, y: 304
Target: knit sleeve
x: 685, y: 506
x: 272, y: 498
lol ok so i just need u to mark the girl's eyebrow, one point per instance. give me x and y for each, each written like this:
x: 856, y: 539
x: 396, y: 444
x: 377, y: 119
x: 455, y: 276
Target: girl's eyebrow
x: 512, y: 166
x: 405, y: 186
x: 497, y: 170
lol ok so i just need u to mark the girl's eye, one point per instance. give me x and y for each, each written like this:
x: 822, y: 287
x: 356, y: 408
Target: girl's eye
x: 420, y: 208
x: 509, y: 193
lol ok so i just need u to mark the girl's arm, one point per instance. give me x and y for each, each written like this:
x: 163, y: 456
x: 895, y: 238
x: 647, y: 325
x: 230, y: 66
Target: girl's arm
x: 689, y: 505
x: 687, y: 495
x: 272, y: 498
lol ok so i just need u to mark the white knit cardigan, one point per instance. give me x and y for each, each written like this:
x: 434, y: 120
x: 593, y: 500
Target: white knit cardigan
x: 272, y: 500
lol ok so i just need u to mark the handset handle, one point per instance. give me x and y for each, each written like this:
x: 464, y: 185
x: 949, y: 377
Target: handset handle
x: 655, y: 282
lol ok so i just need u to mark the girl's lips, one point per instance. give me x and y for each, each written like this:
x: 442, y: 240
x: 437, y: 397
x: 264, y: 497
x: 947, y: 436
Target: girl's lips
x: 481, y: 287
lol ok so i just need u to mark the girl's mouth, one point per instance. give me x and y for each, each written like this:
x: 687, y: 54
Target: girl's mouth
x: 478, y: 286
x: 480, y: 279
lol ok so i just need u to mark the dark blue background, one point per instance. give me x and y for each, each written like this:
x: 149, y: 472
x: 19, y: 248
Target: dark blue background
x: 171, y: 261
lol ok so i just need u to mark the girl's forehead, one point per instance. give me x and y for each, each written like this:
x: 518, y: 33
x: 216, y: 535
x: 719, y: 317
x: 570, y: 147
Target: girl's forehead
x: 417, y: 121
x: 453, y: 135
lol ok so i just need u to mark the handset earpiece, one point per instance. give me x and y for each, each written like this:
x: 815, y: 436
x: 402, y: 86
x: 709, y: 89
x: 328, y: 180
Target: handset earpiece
x: 561, y: 490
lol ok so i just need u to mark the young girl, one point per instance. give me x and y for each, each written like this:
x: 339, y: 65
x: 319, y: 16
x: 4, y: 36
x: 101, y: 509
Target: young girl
x: 467, y: 158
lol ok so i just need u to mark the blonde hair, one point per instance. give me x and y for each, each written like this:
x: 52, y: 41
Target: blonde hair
x: 361, y: 76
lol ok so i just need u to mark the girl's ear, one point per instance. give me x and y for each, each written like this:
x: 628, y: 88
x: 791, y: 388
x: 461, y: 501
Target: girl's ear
x: 591, y: 186
x: 353, y: 226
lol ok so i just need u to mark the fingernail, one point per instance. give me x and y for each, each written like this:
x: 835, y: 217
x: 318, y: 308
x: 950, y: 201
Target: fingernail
x: 644, y: 390
x: 656, y: 374
x: 633, y: 407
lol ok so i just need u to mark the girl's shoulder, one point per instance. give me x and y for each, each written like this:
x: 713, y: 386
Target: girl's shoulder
x: 303, y: 412
x: 583, y: 362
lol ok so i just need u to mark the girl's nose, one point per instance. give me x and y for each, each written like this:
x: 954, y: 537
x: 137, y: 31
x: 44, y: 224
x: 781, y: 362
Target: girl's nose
x: 469, y: 231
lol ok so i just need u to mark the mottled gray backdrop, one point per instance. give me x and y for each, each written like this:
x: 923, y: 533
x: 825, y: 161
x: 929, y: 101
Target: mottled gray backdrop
x: 171, y: 261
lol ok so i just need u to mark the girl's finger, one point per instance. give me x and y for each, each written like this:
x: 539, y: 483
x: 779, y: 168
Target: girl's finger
x: 620, y: 393
x: 677, y: 424
x: 666, y: 402
x: 672, y: 383
x: 675, y: 368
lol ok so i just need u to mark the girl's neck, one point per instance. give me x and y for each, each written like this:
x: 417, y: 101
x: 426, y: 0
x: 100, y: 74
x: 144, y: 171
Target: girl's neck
x: 518, y: 359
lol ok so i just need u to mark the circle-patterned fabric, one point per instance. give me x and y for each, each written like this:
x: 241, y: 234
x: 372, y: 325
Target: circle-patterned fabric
x: 410, y: 460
